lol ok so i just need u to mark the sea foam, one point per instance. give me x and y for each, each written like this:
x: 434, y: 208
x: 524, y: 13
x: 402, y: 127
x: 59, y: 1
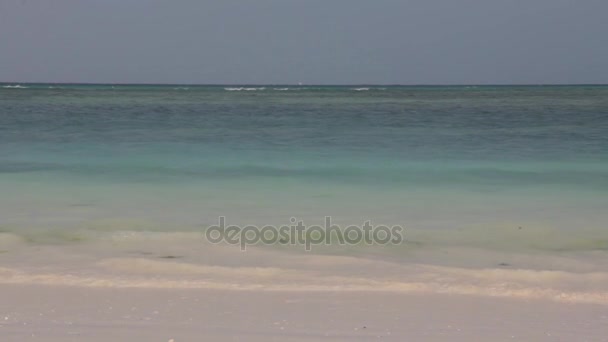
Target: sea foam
x: 14, y: 87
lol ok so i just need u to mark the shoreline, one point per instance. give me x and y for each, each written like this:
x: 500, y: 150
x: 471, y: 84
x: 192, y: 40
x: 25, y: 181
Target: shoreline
x: 188, y: 264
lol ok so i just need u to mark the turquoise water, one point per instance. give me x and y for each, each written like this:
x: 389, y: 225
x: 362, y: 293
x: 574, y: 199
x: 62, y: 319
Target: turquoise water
x: 467, y: 165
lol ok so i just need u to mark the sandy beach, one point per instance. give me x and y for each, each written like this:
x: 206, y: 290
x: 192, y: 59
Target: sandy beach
x: 61, y: 313
x: 162, y: 289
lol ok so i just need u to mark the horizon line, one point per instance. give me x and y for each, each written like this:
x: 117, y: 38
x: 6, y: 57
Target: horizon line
x: 313, y: 84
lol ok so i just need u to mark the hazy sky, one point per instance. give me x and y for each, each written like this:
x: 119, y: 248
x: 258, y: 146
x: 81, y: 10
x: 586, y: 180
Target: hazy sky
x: 309, y: 41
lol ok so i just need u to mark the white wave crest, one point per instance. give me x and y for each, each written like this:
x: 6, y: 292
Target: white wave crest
x: 245, y: 89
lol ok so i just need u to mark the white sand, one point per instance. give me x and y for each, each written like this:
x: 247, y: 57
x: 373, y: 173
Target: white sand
x: 61, y: 313
x: 155, y: 288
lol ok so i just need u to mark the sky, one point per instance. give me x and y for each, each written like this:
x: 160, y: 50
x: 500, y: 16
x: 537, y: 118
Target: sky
x: 307, y: 41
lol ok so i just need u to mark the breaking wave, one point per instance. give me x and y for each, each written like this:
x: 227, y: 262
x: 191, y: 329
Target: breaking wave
x: 14, y: 87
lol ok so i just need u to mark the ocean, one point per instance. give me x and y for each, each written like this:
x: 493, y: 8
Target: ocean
x: 508, y: 170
